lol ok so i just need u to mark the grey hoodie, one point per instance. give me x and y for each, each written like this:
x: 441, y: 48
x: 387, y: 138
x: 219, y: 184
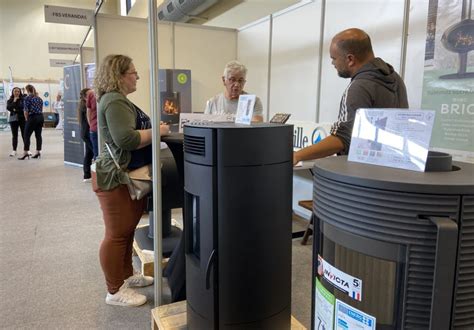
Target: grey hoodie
x: 375, y: 85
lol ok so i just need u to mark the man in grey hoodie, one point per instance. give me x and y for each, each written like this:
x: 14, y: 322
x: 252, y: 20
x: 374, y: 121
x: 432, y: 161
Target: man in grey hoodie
x: 374, y: 84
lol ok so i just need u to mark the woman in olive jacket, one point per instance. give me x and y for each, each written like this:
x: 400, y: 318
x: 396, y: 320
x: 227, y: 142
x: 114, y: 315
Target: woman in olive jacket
x: 126, y: 130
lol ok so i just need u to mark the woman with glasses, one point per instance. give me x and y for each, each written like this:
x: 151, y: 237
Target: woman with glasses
x: 126, y: 131
x: 226, y: 102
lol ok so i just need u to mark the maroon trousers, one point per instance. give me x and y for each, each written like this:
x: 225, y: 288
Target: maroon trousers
x: 121, y: 216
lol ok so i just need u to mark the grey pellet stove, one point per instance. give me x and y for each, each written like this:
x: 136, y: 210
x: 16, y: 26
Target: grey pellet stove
x: 407, y: 236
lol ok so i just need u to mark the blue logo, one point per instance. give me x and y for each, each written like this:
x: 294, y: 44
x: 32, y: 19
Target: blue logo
x: 319, y: 133
x: 46, y: 103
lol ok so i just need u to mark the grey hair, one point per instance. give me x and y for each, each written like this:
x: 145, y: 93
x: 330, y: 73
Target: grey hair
x: 233, y: 66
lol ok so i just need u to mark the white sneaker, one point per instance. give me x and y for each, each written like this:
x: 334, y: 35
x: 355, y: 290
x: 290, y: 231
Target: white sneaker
x: 125, y: 297
x: 12, y: 154
x: 139, y: 281
x: 87, y: 180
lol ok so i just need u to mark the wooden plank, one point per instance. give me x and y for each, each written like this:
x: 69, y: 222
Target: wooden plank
x: 173, y: 317
x: 147, y: 260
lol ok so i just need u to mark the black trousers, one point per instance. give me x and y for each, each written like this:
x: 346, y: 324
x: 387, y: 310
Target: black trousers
x: 33, y: 124
x: 14, y: 126
x: 88, y: 153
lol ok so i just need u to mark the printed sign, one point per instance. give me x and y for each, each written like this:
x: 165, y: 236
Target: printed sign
x: 397, y: 138
x: 245, y: 109
x: 68, y: 15
x: 202, y: 119
x: 58, y: 48
x: 344, y: 282
x: 324, y: 308
x: 350, y: 318
x: 308, y: 133
x: 60, y: 63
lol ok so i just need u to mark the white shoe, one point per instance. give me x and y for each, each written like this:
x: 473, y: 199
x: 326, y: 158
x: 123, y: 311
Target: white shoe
x: 125, y: 297
x: 87, y: 180
x: 12, y: 154
x: 139, y: 281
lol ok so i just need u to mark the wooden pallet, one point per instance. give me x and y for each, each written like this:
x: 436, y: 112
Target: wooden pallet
x: 173, y: 317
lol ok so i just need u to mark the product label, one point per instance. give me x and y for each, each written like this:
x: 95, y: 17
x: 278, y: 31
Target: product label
x: 324, y: 308
x: 350, y: 318
x: 344, y: 282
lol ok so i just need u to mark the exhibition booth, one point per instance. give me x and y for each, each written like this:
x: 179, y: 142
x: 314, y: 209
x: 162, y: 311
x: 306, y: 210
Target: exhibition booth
x: 289, y: 68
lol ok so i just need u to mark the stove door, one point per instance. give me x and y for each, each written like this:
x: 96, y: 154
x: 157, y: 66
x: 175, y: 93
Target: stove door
x: 199, y: 231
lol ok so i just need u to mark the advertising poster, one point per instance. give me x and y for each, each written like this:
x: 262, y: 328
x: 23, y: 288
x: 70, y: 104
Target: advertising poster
x: 73, y: 145
x: 89, y: 72
x: 448, y: 82
x: 3, y: 108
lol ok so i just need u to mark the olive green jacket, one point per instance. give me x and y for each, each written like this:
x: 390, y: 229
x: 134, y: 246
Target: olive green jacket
x: 117, y: 127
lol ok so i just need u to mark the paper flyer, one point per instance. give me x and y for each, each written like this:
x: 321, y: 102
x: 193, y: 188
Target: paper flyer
x: 245, y: 109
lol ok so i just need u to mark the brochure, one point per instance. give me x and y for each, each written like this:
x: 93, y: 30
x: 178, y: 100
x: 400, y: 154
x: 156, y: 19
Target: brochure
x: 397, y: 138
x: 245, y: 109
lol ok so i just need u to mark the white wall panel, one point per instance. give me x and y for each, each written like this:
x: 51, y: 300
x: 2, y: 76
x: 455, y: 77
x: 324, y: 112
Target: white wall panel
x: 382, y: 20
x: 294, y: 62
x: 253, y: 52
x: 204, y: 51
x: 129, y: 36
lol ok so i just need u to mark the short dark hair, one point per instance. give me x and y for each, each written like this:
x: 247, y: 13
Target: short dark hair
x: 360, y: 48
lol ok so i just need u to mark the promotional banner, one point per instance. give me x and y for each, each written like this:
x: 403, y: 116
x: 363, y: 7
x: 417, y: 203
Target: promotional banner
x: 73, y: 145
x: 3, y: 108
x: 448, y: 83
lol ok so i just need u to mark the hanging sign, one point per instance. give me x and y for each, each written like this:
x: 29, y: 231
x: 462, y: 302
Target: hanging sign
x: 68, y: 15
x: 58, y: 48
x: 60, y: 63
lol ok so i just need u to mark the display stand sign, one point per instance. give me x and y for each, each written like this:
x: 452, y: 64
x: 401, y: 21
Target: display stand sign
x: 59, y: 48
x: 60, y: 63
x: 68, y: 15
x: 245, y: 109
x: 202, y: 119
x: 397, y: 138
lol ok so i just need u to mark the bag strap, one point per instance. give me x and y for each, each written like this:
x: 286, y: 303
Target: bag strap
x: 112, y: 155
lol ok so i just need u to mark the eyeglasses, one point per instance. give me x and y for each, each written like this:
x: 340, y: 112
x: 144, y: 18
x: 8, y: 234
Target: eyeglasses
x: 232, y: 80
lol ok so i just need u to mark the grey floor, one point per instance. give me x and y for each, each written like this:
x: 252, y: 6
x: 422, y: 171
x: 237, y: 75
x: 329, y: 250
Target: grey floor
x: 50, y: 230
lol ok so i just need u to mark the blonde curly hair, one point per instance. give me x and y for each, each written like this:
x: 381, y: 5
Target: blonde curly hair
x: 107, y: 79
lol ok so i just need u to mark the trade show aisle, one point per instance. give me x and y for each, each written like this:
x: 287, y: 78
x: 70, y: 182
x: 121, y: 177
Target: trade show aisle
x: 51, y: 228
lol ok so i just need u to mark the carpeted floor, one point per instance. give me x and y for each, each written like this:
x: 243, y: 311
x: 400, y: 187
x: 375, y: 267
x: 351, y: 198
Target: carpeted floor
x: 51, y: 228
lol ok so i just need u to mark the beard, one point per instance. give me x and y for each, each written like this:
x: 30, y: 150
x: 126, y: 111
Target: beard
x: 343, y: 73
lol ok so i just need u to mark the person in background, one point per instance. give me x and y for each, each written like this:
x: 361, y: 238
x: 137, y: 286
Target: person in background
x: 33, y: 111
x: 374, y: 84
x: 91, y: 103
x: 234, y: 79
x: 17, y: 118
x: 127, y: 132
x: 82, y: 119
x: 58, y: 109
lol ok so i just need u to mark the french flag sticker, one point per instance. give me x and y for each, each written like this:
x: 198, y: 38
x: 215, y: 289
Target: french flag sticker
x: 356, y: 295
